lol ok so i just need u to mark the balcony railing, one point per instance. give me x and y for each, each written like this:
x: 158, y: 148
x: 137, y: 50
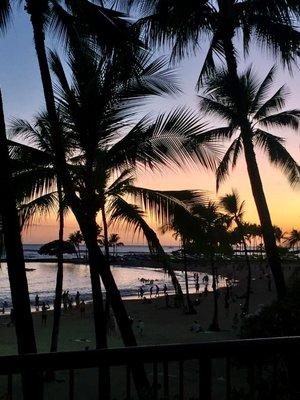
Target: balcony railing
x: 229, y: 370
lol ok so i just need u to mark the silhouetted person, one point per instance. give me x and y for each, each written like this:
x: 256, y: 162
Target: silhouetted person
x: 77, y: 299
x: 165, y: 289
x: 70, y: 303
x: 157, y: 291
x: 37, y: 302
x: 197, y: 286
x: 206, y: 289
x: 151, y: 291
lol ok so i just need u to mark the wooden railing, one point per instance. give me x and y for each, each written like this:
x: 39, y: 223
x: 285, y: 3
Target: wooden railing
x: 277, y: 356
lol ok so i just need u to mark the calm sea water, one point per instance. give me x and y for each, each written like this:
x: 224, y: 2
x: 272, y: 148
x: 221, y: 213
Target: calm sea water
x: 41, y: 280
x: 31, y: 250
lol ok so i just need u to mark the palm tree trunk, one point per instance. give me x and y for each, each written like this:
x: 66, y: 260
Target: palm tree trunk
x: 255, y: 180
x: 215, y: 321
x: 265, y: 218
x: 32, y: 383
x: 249, y: 277
x: 59, y: 275
x: 190, y: 308
x: 105, y: 231
x: 97, y: 259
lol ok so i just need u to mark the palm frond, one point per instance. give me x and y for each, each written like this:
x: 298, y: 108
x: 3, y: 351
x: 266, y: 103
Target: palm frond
x: 278, y: 155
x: 161, y: 205
x: 284, y: 119
x: 273, y: 104
x: 37, y: 209
x: 229, y: 159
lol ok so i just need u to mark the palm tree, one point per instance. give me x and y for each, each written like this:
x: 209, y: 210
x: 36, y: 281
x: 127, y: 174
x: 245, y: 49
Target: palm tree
x: 32, y: 388
x: 76, y: 238
x: 235, y: 210
x: 95, y: 106
x: 115, y: 242
x: 40, y: 190
x: 279, y: 234
x: 251, y: 123
x: 270, y: 23
x: 293, y: 239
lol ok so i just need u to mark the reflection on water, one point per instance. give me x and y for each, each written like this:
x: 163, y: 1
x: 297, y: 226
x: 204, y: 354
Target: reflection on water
x: 41, y: 280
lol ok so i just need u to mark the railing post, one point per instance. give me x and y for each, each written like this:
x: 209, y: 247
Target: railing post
x: 9, y: 386
x: 71, y: 384
x: 128, y: 382
x: 155, y: 381
x: 181, y: 385
x: 166, y: 379
x: 228, y: 378
x: 205, y: 378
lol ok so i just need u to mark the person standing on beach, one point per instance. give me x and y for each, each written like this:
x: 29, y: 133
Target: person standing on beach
x: 157, y: 291
x: 77, y: 299
x: 197, y: 286
x: 165, y: 289
x: 141, y: 292
x: 37, y: 302
x: 151, y: 291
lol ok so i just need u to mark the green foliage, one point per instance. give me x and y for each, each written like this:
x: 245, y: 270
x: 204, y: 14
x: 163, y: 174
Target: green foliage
x: 281, y: 318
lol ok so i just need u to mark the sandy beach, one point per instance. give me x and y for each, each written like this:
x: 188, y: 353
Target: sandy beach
x: 162, y: 324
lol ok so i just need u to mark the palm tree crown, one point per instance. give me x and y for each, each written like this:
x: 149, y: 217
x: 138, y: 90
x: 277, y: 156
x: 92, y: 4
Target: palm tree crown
x: 260, y: 112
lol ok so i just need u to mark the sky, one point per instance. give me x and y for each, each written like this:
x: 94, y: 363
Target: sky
x: 22, y: 93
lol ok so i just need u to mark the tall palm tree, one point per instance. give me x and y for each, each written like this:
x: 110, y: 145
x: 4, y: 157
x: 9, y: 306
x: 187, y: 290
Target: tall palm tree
x: 95, y: 106
x: 40, y: 190
x: 115, y: 242
x: 32, y: 388
x: 269, y: 23
x: 235, y: 209
x: 250, y: 117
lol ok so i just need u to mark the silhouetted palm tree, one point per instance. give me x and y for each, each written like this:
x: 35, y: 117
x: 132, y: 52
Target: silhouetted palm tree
x: 269, y: 23
x: 32, y: 387
x: 115, y: 242
x: 251, y: 118
x: 235, y: 210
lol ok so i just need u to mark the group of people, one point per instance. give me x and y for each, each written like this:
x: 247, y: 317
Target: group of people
x: 154, y: 290
x: 67, y: 302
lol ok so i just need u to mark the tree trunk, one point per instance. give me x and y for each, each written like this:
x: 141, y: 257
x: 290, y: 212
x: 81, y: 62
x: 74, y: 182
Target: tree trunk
x: 190, y: 308
x: 99, y: 262
x: 32, y: 383
x: 264, y: 216
x: 59, y: 275
x: 249, y: 277
x: 105, y: 231
x: 214, y: 326
x: 255, y: 179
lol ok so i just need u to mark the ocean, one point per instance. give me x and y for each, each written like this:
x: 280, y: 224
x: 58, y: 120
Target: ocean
x: 42, y: 277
